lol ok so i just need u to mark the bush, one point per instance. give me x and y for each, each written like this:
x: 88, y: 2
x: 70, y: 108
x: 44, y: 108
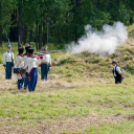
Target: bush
x: 66, y: 60
x: 130, y: 68
x: 52, y: 47
x: 128, y: 58
x: 95, y: 60
x: 114, y: 56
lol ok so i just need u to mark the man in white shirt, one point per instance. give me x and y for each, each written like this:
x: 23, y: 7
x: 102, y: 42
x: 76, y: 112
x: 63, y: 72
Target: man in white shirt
x: 20, y: 64
x: 8, y: 62
x: 46, y: 64
x: 117, y: 73
x: 32, y: 69
x: 26, y: 66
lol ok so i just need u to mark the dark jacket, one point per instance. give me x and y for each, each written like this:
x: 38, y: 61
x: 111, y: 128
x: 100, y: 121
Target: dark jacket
x: 117, y: 74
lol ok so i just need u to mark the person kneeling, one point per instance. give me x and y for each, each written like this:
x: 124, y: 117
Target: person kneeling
x: 117, y: 73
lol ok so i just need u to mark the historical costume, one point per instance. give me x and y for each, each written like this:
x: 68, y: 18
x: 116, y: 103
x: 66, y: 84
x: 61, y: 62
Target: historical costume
x: 32, y: 70
x: 20, y: 65
x: 26, y: 67
x: 117, y: 73
x: 8, y: 62
x: 45, y: 64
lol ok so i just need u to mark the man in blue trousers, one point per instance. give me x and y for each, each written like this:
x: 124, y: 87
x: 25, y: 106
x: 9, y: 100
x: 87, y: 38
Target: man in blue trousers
x: 26, y: 66
x: 32, y: 69
x: 20, y: 65
x: 45, y: 64
x: 8, y: 62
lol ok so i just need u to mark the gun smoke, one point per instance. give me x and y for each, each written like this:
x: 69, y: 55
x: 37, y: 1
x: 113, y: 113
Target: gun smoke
x: 101, y: 42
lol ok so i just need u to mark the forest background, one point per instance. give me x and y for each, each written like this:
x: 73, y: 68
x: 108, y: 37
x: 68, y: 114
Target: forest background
x: 58, y: 22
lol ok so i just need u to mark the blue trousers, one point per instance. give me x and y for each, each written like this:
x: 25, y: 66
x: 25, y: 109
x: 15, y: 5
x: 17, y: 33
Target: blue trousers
x: 33, y: 79
x: 20, y: 83
x: 9, y: 66
x: 26, y: 81
x: 44, y: 71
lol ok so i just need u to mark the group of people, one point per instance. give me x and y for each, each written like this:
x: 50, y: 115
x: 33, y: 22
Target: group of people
x: 29, y: 63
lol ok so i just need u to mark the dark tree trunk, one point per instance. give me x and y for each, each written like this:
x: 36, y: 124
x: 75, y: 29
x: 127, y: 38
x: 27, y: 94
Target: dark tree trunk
x: 48, y: 19
x: 98, y: 3
x: 20, y: 27
x: 47, y: 30
x: 14, y: 27
x: 78, y: 3
x: 118, y: 3
x: 40, y: 35
x: 77, y: 18
x: 107, y: 4
x: 0, y: 26
x: 44, y: 33
x: 30, y: 35
x: 37, y: 38
x: 25, y: 34
x: 1, y: 35
x: 131, y: 20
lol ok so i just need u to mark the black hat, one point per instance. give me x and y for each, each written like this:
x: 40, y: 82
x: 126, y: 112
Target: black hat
x: 30, y: 50
x: 21, y: 50
x: 114, y: 62
x: 26, y: 48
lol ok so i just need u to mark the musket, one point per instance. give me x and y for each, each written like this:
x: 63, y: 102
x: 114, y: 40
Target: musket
x: 54, y: 51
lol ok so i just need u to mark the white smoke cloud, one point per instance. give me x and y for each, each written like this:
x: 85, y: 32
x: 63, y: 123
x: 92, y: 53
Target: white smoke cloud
x: 102, y: 42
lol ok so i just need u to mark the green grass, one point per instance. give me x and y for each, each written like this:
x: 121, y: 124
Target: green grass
x: 121, y: 128
x: 85, y: 88
x: 58, y: 105
x: 131, y: 31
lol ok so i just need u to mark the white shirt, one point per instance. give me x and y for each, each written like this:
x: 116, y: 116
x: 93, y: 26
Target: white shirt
x: 8, y: 57
x: 19, y: 61
x: 117, y: 69
x: 46, y: 58
x: 20, y: 64
x: 32, y: 63
x: 25, y: 61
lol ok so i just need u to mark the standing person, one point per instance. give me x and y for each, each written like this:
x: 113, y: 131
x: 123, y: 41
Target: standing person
x: 20, y: 64
x: 45, y: 64
x: 8, y: 62
x: 32, y: 70
x: 26, y: 67
x: 117, y: 73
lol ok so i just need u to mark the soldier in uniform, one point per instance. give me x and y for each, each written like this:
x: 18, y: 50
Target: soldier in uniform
x: 32, y: 69
x: 26, y: 66
x: 20, y: 65
x: 45, y: 64
x: 8, y: 62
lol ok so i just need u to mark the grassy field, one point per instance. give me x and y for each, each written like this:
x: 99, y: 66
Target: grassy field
x: 80, y: 97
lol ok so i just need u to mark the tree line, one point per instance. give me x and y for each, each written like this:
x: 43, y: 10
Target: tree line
x: 58, y: 21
